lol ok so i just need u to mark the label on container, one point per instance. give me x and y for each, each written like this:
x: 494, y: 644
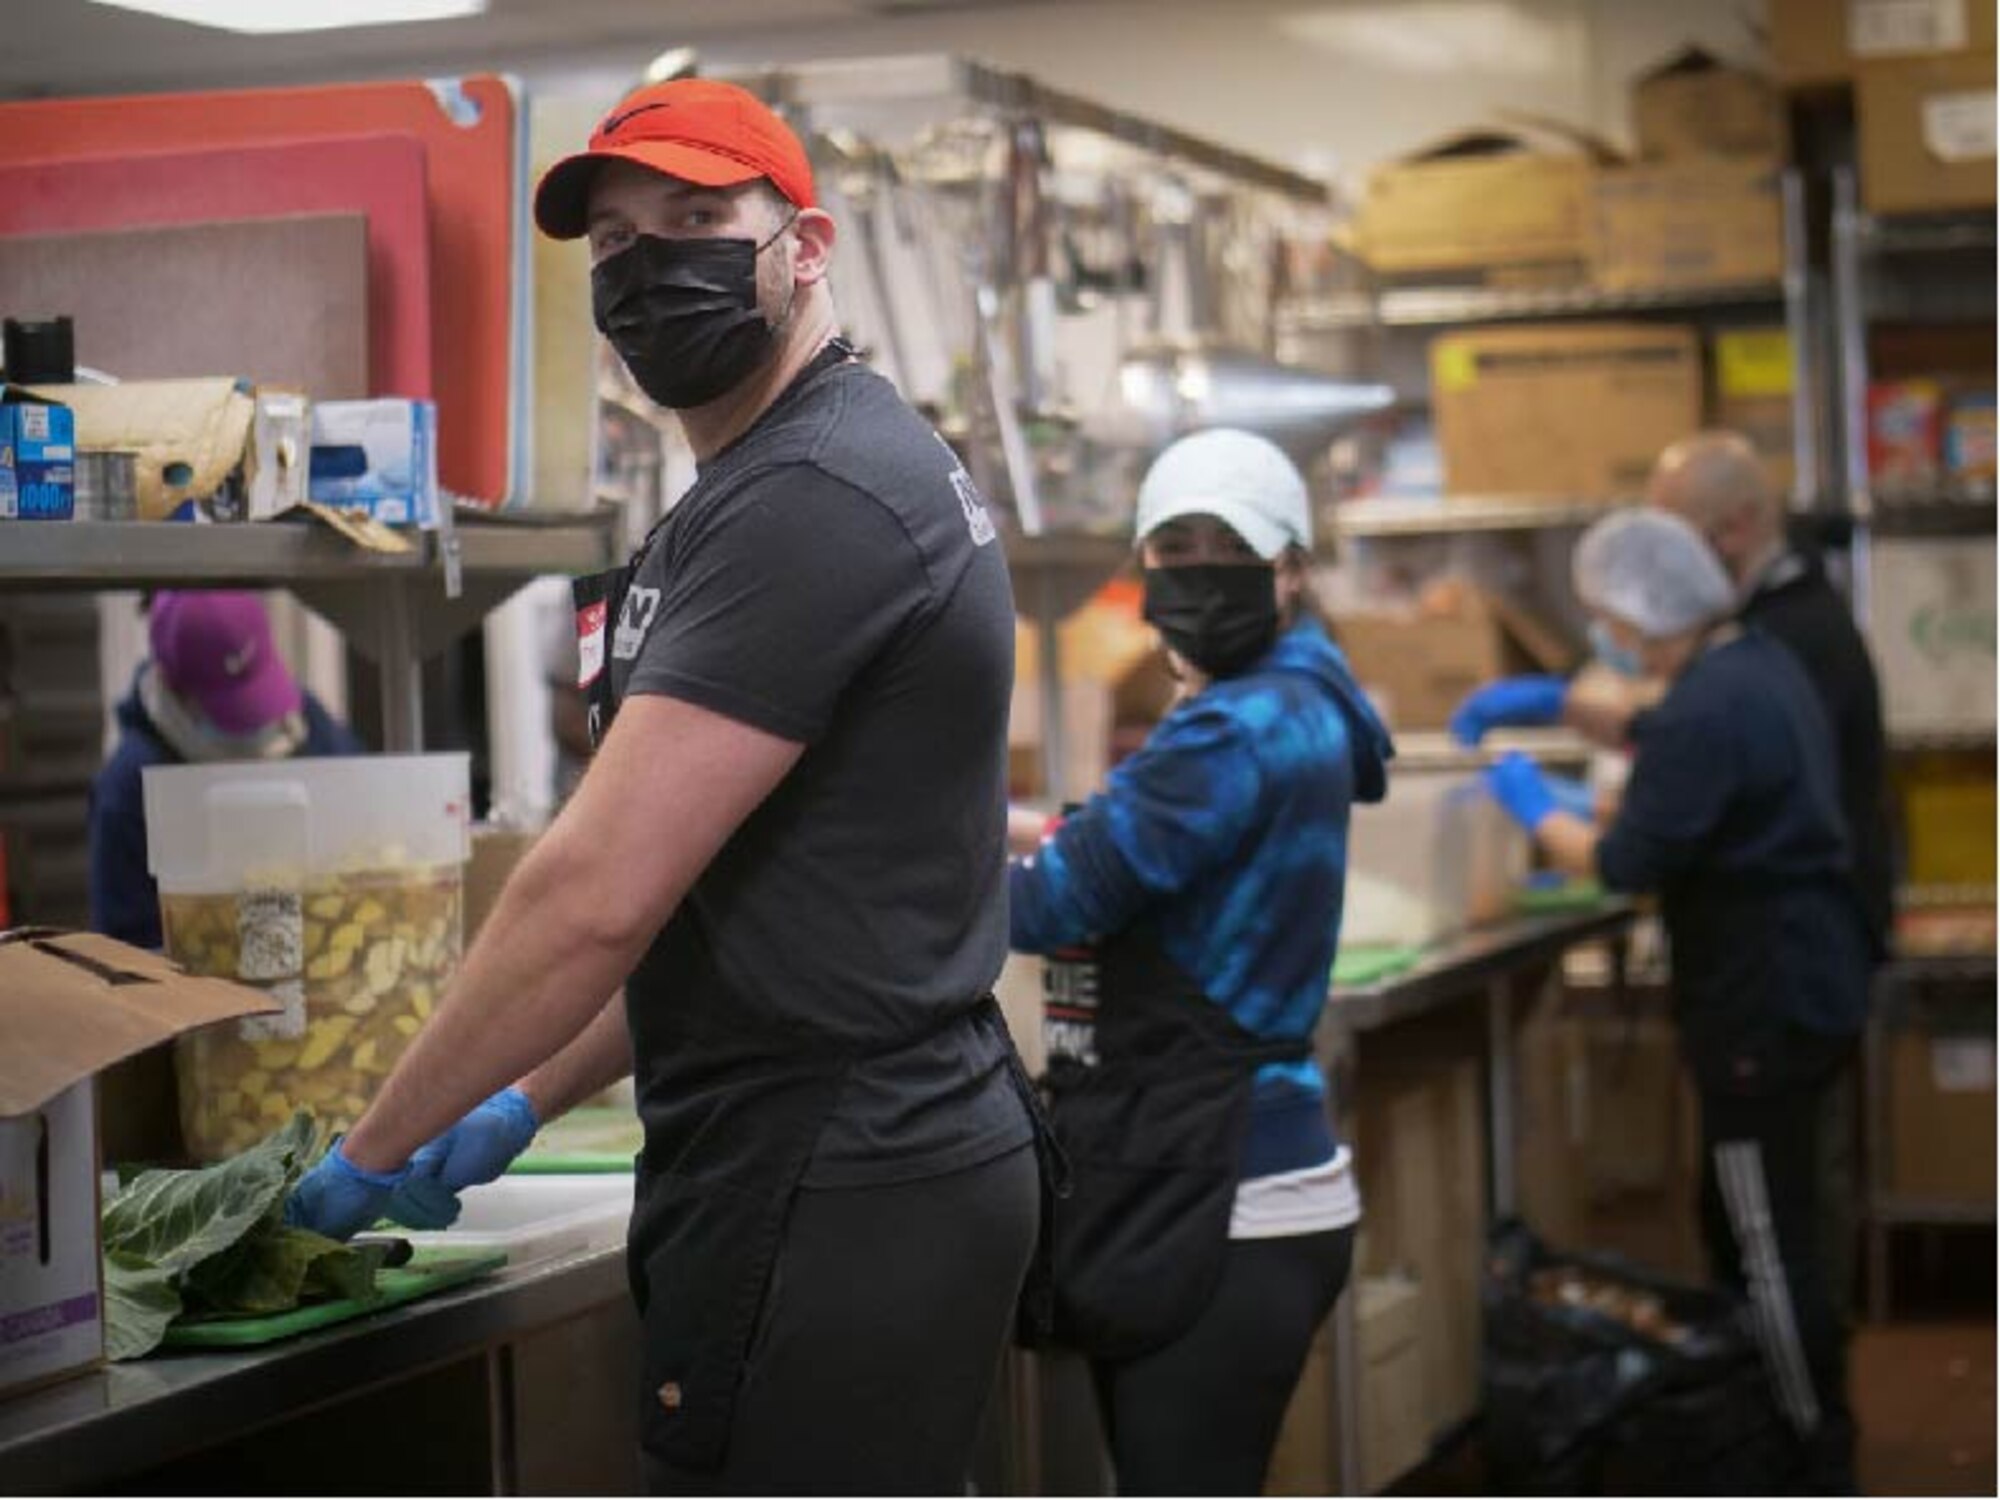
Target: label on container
x: 1958, y: 127
x: 1962, y: 1064
x: 270, y: 954
x: 1890, y: 28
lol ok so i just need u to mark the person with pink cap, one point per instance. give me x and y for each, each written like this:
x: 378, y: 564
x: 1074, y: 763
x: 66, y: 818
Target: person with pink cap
x: 214, y: 688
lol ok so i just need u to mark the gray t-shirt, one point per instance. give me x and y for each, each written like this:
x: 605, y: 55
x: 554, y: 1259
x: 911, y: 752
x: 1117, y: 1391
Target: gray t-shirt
x: 833, y: 578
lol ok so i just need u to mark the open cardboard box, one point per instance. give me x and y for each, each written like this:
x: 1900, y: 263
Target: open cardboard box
x: 71, y: 1004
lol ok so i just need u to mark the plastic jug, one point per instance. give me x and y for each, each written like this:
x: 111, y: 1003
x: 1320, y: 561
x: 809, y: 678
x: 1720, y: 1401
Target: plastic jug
x: 335, y: 886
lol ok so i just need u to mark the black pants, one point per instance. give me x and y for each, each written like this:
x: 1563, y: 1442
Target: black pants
x: 1201, y: 1416
x: 1763, y: 1220
x: 879, y: 1338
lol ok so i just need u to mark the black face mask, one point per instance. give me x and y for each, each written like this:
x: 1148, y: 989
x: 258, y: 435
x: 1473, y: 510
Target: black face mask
x: 683, y: 315
x: 1220, y: 617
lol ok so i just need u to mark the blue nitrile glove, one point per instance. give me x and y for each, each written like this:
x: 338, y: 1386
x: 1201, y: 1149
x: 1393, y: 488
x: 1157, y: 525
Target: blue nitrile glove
x: 477, y: 1149
x: 1510, y: 703
x: 1518, y: 785
x: 338, y: 1199
x: 1573, y: 797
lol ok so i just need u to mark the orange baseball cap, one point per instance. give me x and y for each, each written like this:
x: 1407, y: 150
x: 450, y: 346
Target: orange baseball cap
x: 697, y: 129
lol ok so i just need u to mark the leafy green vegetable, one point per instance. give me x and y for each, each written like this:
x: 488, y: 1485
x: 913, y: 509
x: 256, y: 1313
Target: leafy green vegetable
x: 176, y: 1220
x: 213, y: 1243
x: 139, y: 1303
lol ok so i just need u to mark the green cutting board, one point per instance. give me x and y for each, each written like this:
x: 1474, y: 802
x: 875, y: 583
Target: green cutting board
x: 1569, y: 895
x: 1371, y: 965
x: 427, y: 1272
x: 584, y: 1140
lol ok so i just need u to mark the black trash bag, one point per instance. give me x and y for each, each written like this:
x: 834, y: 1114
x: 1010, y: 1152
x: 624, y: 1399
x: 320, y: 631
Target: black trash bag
x: 1602, y: 1378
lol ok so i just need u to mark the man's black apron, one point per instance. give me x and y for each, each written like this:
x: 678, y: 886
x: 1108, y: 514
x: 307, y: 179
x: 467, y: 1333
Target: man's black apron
x: 1149, y: 1086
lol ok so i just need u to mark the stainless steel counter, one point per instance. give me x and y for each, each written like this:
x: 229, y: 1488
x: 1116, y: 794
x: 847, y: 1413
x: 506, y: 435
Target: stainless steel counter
x: 86, y: 1433
x: 1465, y: 965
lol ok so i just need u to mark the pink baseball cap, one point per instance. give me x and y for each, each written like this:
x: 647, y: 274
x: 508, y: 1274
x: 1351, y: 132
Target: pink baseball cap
x: 214, y: 650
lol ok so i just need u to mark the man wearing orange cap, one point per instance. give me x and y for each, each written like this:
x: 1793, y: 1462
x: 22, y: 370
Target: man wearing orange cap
x: 789, y: 850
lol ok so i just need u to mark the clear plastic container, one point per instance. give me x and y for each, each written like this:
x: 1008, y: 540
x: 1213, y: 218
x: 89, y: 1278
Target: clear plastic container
x: 333, y: 885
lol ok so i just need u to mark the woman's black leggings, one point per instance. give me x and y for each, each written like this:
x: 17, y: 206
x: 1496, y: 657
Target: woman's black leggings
x: 1201, y: 1415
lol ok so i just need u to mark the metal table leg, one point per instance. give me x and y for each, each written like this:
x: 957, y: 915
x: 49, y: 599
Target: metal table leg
x: 1048, y: 640
x: 1500, y: 1096
x: 1345, y: 1324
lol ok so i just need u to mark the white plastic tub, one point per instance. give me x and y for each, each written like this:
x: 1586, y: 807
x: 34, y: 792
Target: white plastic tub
x: 1438, y: 856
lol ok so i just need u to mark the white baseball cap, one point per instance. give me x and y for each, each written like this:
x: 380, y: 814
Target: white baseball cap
x: 1243, y: 480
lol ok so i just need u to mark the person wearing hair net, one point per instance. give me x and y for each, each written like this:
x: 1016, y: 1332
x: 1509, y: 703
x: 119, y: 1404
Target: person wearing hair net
x: 1190, y: 913
x: 1732, y: 817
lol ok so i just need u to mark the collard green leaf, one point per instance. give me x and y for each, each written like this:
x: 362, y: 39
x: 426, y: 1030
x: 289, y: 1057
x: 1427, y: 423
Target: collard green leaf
x: 139, y: 1303
x: 349, y: 1272
x: 267, y: 1272
x: 174, y: 1221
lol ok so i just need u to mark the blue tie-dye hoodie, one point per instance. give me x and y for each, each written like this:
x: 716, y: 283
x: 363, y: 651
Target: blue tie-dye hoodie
x: 1229, y: 830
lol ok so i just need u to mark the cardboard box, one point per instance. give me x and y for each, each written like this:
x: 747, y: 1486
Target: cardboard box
x: 379, y: 457
x: 1418, y: 665
x: 1931, y: 628
x: 1473, y: 202
x: 1753, y: 377
x: 37, y: 457
x: 191, y: 436
x: 1941, y: 1097
x: 1702, y: 222
x: 1696, y: 105
x: 71, y: 1004
x: 1816, y: 43
x: 1394, y: 1439
x: 1925, y: 133
x: 1576, y: 409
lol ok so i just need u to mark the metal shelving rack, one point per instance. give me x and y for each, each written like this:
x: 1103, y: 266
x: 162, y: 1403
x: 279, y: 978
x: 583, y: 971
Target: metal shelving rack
x: 1390, y: 309
x: 1866, y: 248
x: 396, y: 609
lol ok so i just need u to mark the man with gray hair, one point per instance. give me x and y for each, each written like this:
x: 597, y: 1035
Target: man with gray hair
x: 1715, y: 482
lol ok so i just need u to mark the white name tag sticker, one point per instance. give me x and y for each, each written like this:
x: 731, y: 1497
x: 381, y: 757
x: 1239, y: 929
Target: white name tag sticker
x: 590, y: 622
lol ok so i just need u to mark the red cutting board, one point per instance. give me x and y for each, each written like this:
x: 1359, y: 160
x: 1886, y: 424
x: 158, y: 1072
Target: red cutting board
x: 474, y: 164
x: 378, y: 176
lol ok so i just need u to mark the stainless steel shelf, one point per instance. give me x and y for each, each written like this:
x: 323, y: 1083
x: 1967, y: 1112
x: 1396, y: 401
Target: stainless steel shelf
x: 1928, y: 235
x: 1068, y: 551
x: 1468, y: 513
x: 1965, y: 513
x: 1970, y: 737
x: 1437, y: 306
x: 132, y: 554
x: 1939, y: 1211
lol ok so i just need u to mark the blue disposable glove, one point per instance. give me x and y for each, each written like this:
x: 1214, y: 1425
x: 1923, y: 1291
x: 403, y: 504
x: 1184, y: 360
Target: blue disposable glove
x: 338, y: 1199
x: 477, y: 1149
x: 1518, y: 785
x: 1573, y: 797
x: 1511, y: 703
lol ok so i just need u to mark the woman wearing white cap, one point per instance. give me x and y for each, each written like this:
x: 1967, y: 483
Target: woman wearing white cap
x: 1190, y: 912
x: 1732, y: 815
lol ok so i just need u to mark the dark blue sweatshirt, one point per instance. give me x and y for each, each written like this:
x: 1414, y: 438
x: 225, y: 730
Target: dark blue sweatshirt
x: 1228, y: 829
x: 1732, y: 815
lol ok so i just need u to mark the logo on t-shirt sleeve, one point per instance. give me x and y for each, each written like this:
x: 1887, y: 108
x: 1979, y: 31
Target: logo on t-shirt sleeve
x: 978, y: 520
x: 635, y: 618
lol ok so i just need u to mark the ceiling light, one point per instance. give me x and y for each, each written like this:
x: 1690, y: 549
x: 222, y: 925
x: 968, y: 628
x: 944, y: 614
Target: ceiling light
x: 262, y: 17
